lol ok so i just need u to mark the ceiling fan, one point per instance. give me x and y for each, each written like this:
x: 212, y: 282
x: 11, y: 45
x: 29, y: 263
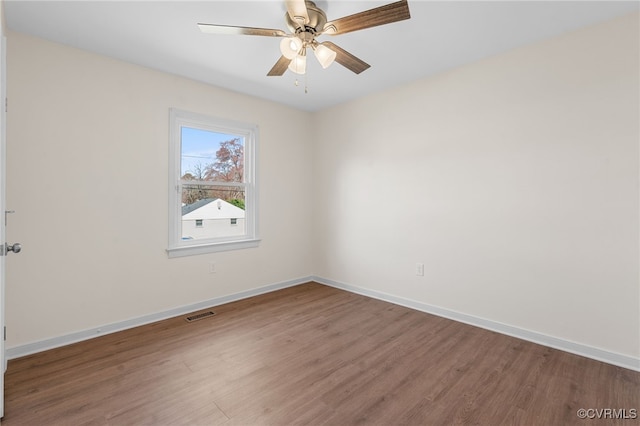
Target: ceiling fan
x: 306, y: 22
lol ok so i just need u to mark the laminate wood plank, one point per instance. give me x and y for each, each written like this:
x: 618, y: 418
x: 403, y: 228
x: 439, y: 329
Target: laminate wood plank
x: 312, y: 355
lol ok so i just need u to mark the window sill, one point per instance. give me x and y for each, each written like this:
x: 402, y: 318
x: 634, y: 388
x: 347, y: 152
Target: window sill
x: 211, y: 248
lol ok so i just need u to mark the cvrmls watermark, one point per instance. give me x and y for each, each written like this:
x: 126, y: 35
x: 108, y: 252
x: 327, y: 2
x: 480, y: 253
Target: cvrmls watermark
x: 607, y: 413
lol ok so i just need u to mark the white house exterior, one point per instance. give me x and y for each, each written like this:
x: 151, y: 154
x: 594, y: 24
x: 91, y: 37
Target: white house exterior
x: 212, y: 218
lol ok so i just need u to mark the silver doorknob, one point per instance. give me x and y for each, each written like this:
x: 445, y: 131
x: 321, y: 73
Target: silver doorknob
x: 14, y: 248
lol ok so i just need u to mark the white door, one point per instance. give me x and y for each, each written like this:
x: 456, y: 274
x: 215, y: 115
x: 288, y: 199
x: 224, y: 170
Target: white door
x: 3, y: 212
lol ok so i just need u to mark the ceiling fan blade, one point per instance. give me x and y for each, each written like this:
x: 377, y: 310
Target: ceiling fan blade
x: 346, y: 59
x: 280, y: 67
x: 233, y: 30
x: 382, y: 15
x: 297, y: 10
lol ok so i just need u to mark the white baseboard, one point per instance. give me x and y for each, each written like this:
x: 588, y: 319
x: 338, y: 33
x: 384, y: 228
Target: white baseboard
x: 531, y: 336
x: 67, y: 339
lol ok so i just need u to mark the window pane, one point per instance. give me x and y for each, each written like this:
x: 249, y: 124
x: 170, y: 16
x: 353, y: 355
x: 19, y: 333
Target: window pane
x: 208, y: 211
x: 211, y: 156
x: 212, y: 185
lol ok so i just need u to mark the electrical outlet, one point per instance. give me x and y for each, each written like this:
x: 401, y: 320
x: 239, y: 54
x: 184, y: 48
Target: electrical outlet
x: 212, y: 268
x: 420, y: 269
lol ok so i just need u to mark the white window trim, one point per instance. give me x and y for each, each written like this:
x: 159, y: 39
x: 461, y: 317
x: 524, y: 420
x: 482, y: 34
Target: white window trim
x: 178, y: 247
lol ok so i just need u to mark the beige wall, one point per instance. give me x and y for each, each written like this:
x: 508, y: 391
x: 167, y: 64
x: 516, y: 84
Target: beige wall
x: 514, y: 180
x: 87, y: 171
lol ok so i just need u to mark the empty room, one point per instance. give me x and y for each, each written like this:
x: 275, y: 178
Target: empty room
x: 320, y: 213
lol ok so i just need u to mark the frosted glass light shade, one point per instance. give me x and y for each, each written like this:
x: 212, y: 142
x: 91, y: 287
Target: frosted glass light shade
x: 324, y: 55
x: 290, y: 46
x: 299, y: 64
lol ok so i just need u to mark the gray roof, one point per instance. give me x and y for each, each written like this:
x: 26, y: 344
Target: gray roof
x: 194, y: 206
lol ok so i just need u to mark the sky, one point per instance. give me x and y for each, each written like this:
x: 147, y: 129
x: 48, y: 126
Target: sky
x: 200, y: 146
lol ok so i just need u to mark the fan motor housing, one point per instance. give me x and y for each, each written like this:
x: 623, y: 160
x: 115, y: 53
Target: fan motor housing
x: 317, y: 20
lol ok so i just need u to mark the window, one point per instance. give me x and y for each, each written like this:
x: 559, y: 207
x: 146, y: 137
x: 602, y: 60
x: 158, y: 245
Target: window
x: 212, y: 187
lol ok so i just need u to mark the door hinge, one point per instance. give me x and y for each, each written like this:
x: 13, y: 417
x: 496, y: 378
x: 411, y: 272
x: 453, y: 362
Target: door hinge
x: 6, y: 104
x: 5, y: 332
x: 6, y: 212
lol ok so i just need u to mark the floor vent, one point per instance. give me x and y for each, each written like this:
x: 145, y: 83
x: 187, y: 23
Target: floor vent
x: 199, y: 316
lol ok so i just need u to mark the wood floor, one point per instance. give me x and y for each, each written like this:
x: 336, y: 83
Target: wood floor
x: 313, y: 355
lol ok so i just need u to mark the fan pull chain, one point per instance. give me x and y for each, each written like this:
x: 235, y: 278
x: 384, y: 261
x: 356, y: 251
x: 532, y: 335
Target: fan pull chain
x: 306, y: 86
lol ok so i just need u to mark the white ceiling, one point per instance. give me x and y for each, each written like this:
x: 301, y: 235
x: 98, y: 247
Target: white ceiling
x: 439, y: 36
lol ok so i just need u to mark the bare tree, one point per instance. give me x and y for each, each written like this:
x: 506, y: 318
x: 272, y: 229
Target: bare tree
x: 228, y: 167
x: 193, y: 193
x: 229, y: 164
x: 197, y: 171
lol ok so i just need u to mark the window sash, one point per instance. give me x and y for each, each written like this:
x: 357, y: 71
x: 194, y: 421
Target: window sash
x: 178, y: 247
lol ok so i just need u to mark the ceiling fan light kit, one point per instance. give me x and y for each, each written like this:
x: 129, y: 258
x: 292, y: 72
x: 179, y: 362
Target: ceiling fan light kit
x: 324, y: 55
x: 290, y: 47
x: 298, y: 64
x: 306, y: 22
